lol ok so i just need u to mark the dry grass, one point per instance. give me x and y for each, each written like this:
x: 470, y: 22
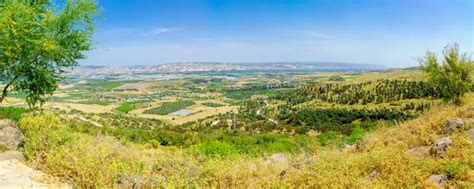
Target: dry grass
x: 88, y: 108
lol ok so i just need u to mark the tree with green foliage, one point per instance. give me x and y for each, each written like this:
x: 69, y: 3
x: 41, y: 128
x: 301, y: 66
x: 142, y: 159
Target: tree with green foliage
x: 39, y: 41
x: 452, y: 77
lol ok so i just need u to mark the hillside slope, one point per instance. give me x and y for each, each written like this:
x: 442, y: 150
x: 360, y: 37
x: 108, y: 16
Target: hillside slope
x: 390, y: 157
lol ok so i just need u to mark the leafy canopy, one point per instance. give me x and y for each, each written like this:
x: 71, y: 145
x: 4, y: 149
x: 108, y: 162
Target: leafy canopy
x: 39, y: 41
x: 452, y: 77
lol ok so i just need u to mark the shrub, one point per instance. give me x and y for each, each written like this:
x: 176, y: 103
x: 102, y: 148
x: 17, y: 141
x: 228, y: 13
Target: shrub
x: 282, y: 145
x: 328, y: 137
x: 217, y: 149
x: 357, y: 134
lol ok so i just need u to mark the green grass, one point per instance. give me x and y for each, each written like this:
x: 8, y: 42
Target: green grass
x: 169, y: 107
x: 129, y: 106
x: 99, y: 85
x: 12, y: 113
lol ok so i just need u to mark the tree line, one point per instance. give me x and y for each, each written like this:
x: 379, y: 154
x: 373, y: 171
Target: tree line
x: 380, y: 91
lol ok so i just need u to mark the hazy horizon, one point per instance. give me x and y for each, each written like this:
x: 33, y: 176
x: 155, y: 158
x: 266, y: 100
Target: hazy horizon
x: 389, y: 33
x: 276, y: 62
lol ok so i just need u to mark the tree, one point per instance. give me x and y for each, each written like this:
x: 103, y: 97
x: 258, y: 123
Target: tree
x: 39, y: 41
x: 452, y: 77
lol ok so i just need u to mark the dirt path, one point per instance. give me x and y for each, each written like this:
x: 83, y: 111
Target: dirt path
x: 269, y: 119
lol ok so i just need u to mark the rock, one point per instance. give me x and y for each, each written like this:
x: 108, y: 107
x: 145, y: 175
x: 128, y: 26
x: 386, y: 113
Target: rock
x: 372, y: 175
x: 348, y: 147
x: 278, y: 160
x: 12, y: 155
x: 453, y: 125
x: 440, y: 179
x: 421, y: 151
x: 15, y: 174
x: 10, y: 135
x: 440, y: 146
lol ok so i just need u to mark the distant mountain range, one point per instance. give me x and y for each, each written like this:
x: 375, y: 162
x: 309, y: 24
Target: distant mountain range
x: 215, y: 66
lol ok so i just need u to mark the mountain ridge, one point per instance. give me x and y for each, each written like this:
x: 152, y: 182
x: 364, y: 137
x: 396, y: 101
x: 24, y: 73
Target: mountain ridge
x: 182, y: 67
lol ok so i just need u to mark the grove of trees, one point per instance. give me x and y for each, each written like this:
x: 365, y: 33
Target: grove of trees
x: 379, y: 91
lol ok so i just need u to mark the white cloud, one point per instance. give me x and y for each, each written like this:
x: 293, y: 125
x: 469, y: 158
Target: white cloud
x: 162, y: 30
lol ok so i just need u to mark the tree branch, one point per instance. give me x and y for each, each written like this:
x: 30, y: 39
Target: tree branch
x: 5, y: 89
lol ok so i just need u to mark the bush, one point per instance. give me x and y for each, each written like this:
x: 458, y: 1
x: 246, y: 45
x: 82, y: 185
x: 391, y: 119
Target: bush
x: 454, y: 168
x: 328, y: 137
x: 282, y: 145
x: 217, y: 149
x: 357, y: 134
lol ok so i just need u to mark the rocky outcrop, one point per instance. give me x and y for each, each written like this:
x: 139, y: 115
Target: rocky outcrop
x: 12, y: 155
x: 453, y: 125
x: 439, y: 180
x: 278, y: 160
x: 15, y: 174
x: 10, y: 135
x: 440, y: 146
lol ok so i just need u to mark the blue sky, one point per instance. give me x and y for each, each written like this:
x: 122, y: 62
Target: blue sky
x: 385, y: 32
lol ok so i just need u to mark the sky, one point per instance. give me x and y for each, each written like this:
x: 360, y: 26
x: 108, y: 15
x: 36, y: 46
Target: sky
x: 384, y: 32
